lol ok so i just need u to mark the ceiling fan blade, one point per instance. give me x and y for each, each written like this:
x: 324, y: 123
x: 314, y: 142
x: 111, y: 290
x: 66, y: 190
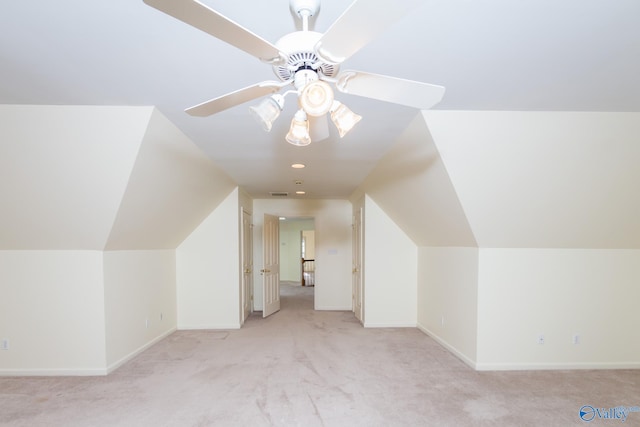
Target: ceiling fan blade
x: 208, y: 20
x: 390, y: 89
x: 232, y: 99
x: 360, y: 24
x: 318, y: 128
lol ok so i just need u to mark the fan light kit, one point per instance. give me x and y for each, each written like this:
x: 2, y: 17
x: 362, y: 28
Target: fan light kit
x: 310, y: 62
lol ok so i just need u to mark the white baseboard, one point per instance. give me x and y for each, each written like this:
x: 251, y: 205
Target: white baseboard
x: 139, y: 350
x: 337, y: 308
x: 82, y: 372
x: 478, y: 366
x: 554, y: 366
x: 449, y: 347
x: 389, y: 325
x: 52, y: 372
x: 209, y: 326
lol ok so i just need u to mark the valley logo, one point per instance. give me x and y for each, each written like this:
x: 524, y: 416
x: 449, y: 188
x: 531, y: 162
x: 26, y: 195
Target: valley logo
x: 589, y: 413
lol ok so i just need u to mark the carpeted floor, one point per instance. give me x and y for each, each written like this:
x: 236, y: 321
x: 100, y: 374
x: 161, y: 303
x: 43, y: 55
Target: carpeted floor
x: 300, y: 367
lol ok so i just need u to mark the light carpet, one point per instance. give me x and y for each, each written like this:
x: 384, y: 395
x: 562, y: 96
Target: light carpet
x: 301, y: 367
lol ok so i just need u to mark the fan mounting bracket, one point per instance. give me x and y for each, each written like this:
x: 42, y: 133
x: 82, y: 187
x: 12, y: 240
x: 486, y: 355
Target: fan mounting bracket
x: 304, y: 8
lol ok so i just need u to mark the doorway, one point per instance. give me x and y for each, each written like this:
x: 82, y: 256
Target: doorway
x: 308, y: 260
x: 297, y: 251
x: 332, y: 220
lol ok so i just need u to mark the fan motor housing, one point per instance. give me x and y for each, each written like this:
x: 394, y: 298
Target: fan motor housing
x: 299, y: 47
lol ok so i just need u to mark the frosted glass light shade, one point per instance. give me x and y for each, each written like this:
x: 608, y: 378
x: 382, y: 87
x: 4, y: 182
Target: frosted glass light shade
x: 299, y: 131
x: 268, y: 111
x: 343, y: 118
x: 316, y: 98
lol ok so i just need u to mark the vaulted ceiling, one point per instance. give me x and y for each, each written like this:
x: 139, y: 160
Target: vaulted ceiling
x: 540, y: 55
x: 101, y: 178
x: 514, y: 179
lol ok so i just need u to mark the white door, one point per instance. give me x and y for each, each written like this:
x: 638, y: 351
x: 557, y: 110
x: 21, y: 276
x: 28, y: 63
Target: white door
x: 357, y: 278
x: 271, y: 262
x: 247, y: 265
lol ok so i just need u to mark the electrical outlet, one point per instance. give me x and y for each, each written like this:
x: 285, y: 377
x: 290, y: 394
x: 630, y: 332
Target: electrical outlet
x: 541, y: 339
x: 4, y: 344
x: 575, y: 339
x: 442, y: 321
x: 146, y: 322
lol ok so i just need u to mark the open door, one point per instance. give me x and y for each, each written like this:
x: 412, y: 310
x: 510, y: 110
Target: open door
x: 357, y: 267
x: 271, y: 265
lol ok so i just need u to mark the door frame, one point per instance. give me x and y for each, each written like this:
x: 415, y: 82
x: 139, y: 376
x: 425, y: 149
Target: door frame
x: 357, y: 278
x: 246, y: 265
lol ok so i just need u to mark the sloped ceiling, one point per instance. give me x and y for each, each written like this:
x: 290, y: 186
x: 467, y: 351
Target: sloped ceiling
x: 544, y: 179
x: 100, y: 177
x: 172, y: 188
x: 64, y: 172
x: 412, y: 186
x: 514, y: 180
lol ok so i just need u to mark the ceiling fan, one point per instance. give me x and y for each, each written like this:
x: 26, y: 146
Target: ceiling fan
x: 309, y: 61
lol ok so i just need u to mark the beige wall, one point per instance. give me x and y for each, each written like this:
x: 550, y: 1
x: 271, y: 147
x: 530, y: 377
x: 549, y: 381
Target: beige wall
x: 550, y: 198
x: 208, y: 271
x: 448, y: 298
x: 465, y: 184
x: 558, y: 292
x: 309, y: 237
x: 415, y: 205
x: 79, y: 180
x: 390, y: 271
x: 139, y: 301
x: 52, y: 313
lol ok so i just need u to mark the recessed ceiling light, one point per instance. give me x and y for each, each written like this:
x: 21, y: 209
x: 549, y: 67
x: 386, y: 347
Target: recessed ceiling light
x: 301, y: 192
x: 297, y: 166
x: 282, y: 218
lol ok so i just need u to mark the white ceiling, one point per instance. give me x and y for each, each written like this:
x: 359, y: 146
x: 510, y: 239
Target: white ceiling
x: 569, y: 55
